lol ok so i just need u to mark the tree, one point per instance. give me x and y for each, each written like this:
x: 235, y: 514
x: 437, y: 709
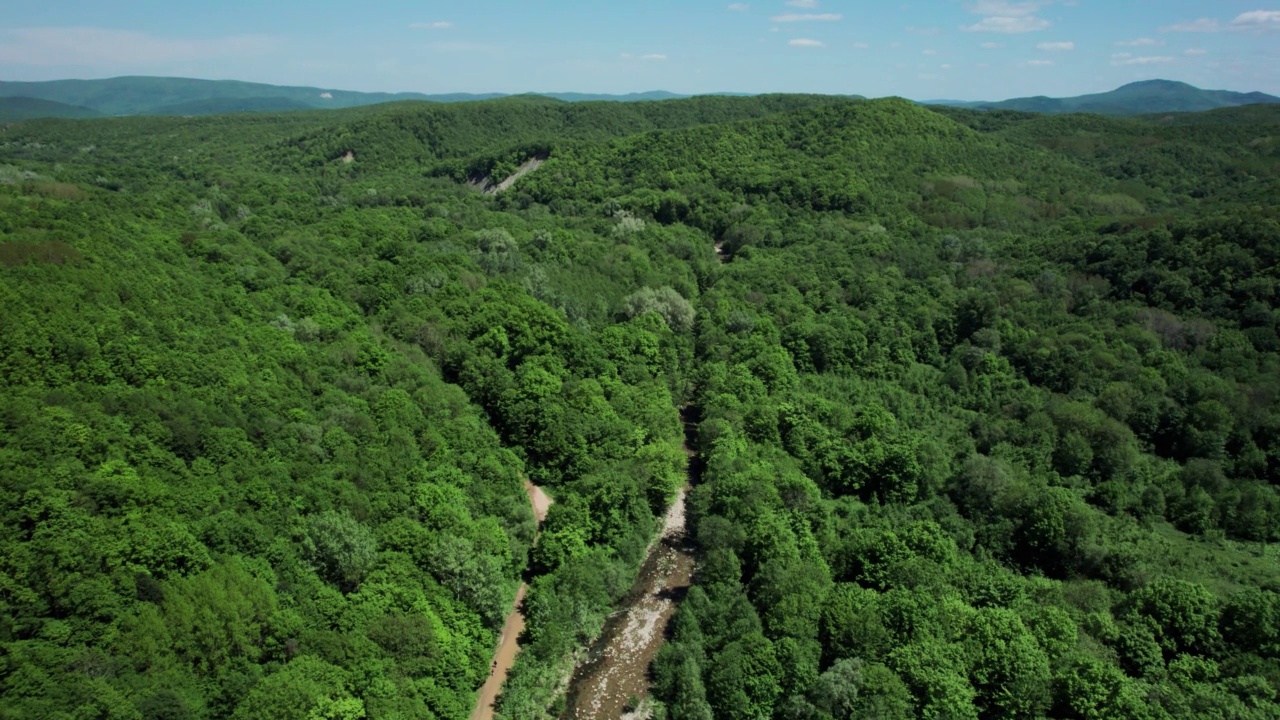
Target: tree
x: 1251, y: 621
x: 743, y: 681
x: 496, y: 251
x: 1184, y: 615
x: 305, y: 689
x: 674, y: 309
x: 1007, y: 666
x: 935, y: 673
x: 342, y: 548
x: 1091, y: 689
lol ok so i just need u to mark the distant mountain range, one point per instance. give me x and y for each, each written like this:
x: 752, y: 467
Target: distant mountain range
x: 186, y: 96
x: 1139, y: 98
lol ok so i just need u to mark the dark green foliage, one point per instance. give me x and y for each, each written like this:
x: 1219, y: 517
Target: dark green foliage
x: 28, y: 108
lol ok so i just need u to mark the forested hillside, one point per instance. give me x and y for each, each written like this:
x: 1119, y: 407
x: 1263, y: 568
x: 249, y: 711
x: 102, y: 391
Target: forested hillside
x: 25, y: 108
x: 987, y: 408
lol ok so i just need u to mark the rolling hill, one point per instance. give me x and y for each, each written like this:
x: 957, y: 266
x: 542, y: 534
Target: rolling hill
x: 29, y: 108
x: 1138, y: 98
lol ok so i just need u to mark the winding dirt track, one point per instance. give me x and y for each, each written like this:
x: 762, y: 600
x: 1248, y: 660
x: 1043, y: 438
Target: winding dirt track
x: 508, y: 641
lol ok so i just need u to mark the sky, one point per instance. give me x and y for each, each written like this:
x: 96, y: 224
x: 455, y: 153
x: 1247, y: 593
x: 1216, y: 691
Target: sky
x: 935, y: 49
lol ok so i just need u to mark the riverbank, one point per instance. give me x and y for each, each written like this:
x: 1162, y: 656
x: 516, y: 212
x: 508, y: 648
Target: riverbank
x: 615, y: 675
x: 613, y: 680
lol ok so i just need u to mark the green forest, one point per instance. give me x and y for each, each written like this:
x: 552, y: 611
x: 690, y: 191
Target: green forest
x: 985, y: 408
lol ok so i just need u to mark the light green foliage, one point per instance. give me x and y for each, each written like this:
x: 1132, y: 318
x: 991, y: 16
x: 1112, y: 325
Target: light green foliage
x: 674, y: 309
x: 305, y: 689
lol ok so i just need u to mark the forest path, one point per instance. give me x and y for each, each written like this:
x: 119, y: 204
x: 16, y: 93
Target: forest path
x: 615, y: 674
x: 509, y: 640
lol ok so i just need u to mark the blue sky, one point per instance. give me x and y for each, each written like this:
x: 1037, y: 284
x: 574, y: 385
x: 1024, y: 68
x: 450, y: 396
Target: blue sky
x: 962, y: 49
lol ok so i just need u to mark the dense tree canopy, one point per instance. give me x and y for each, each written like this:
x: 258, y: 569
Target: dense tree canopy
x: 988, y: 411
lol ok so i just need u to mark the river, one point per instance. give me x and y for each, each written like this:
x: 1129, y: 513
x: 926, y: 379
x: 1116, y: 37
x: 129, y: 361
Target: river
x: 615, y: 673
x: 608, y: 684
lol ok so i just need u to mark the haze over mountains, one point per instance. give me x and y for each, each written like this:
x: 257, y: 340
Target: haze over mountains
x: 186, y: 96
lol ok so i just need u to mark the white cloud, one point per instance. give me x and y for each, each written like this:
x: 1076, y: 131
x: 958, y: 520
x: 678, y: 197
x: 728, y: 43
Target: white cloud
x: 739, y: 7
x: 1140, y: 42
x: 653, y: 56
x: 1056, y: 46
x: 1007, y: 16
x: 1258, y: 20
x: 929, y: 52
x: 1039, y: 63
x: 945, y: 66
x: 807, y: 17
x: 1122, y: 59
x: 1201, y: 25
x: 1195, y: 51
x: 1008, y: 24
x: 626, y: 56
x: 326, y: 95
x: 437, y: 25
x: 803, y: 3
x: 992, y: 45
x: 806, y: 42
x: 67, y: 46
x: 1004, y: 8
x: 862, y: 45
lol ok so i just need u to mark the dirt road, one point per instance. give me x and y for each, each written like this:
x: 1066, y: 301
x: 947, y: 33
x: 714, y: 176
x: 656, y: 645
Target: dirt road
x: 508, y: 641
